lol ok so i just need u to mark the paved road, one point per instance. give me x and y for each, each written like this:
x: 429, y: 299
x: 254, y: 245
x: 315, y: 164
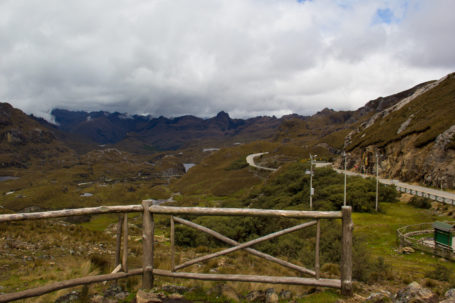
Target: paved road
x: 250, y: 161
x: 421, y: 191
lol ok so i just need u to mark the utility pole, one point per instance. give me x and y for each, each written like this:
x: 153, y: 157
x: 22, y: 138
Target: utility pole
x: 344, y: 197
x: 377, y: 181
x: 311, y: 181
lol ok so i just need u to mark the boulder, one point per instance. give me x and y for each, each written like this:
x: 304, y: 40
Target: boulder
x: 175, y: 289
x: 285, y: 295
x: 406, y: 250
x: 255, y: 296
x: 450, y: 293
x: 271, y: 296
x: 416, y: 294
x: 147, y: 297
x: 379, y: 297
x: 73, y: 296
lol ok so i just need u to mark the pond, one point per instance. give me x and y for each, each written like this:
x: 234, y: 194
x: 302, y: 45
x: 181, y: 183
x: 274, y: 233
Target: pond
x: 6, y: 178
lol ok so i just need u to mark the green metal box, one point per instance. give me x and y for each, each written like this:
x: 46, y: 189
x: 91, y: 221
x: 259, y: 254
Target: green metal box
x: 443, y: 233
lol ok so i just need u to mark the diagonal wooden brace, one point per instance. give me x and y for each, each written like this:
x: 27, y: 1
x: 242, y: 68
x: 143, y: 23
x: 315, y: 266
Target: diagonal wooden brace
x: 246, y: 244
x: 250, y: 250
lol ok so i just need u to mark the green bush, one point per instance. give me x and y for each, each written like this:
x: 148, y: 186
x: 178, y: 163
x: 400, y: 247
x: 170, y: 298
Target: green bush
x: 290, y: 189
x: 237, y: 164
x: 440, y: 273
x: 420, y: 202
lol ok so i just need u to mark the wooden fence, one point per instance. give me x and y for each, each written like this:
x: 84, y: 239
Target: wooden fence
x: 148, y: 271
x: 416, y: 236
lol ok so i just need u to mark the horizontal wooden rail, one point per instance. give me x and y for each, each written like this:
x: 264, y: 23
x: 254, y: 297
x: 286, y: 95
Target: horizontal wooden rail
x: 33, y: 292
x: 71, y: 212
x: 251, y: 278
x: 38, y: 291
x: 212, y: 211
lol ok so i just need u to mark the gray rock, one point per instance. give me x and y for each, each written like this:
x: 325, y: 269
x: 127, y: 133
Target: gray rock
x: 285, y: 295
x: 175, y: 289
x: 271, y: 298
x: 450, y: 293
x: 73, y: 296
x: 406, y: 250
x: 147, y: 297
x: 379, y: 297
x: 416, y: 294
x: 255, y: 296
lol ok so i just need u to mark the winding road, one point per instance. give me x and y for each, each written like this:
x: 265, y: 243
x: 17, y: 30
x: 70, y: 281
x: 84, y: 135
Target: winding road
x: 421, y: 191
x: 250, y: 161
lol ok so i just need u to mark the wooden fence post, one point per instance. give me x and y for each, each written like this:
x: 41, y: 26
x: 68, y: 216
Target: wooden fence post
x: 346, y: 254
x: 172, y: 244
x: 148, y: 227
x: 316, y: 257
x: 125, y: 243
x: 119, y: 240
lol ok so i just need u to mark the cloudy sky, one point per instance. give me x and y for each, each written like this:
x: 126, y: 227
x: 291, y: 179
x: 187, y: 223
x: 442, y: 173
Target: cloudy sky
x: 247, y: 57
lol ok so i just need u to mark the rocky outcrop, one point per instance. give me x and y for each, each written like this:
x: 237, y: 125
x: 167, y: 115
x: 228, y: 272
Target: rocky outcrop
x: 415, y: 138
x: 415, y: 293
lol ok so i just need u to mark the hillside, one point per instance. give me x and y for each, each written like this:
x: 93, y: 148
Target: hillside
x: 24, y: 141
x: 415, y: 137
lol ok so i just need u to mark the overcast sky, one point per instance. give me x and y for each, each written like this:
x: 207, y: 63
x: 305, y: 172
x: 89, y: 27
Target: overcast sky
x: 246, y: 57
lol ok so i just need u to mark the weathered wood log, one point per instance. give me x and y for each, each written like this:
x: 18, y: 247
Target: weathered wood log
x: 116, y: 270
x: 246, y: 244
x: 119, y: 240
x: 71, y: 212
x: 316, y: 253
x: 125, y: 243
x: 38, y: 291
x: 148, y: 227
x: 250, y: 250
x: 212, y: 211
x: 251, y: 278
x: 346, y: 253
x: 172, y: 244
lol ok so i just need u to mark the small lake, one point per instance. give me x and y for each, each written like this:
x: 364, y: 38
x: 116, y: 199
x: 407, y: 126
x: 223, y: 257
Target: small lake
x: 6, y: 178
x: 188, y: 166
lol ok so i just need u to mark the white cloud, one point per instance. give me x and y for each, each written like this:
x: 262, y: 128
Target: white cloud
x: 247, y: 57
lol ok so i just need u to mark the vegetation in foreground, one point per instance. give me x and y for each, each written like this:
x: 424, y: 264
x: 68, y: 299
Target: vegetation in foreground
x: 377, y: 261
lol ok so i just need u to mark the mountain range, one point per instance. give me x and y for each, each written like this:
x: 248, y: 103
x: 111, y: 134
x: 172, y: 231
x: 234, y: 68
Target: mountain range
x: 144, y: 133
x: 413, y: 132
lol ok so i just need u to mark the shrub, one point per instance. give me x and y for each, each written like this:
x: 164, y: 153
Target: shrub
x: 291, y: 189
x: 100, y: 262
x: 420, y: 202
x: 440, y: 273
x: 237, y: 164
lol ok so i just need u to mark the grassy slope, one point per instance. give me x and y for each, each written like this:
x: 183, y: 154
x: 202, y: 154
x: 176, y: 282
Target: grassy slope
x: 380, y: 231
x: 431, y: 112
x: 224, y: 173
x: 112, y: 178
